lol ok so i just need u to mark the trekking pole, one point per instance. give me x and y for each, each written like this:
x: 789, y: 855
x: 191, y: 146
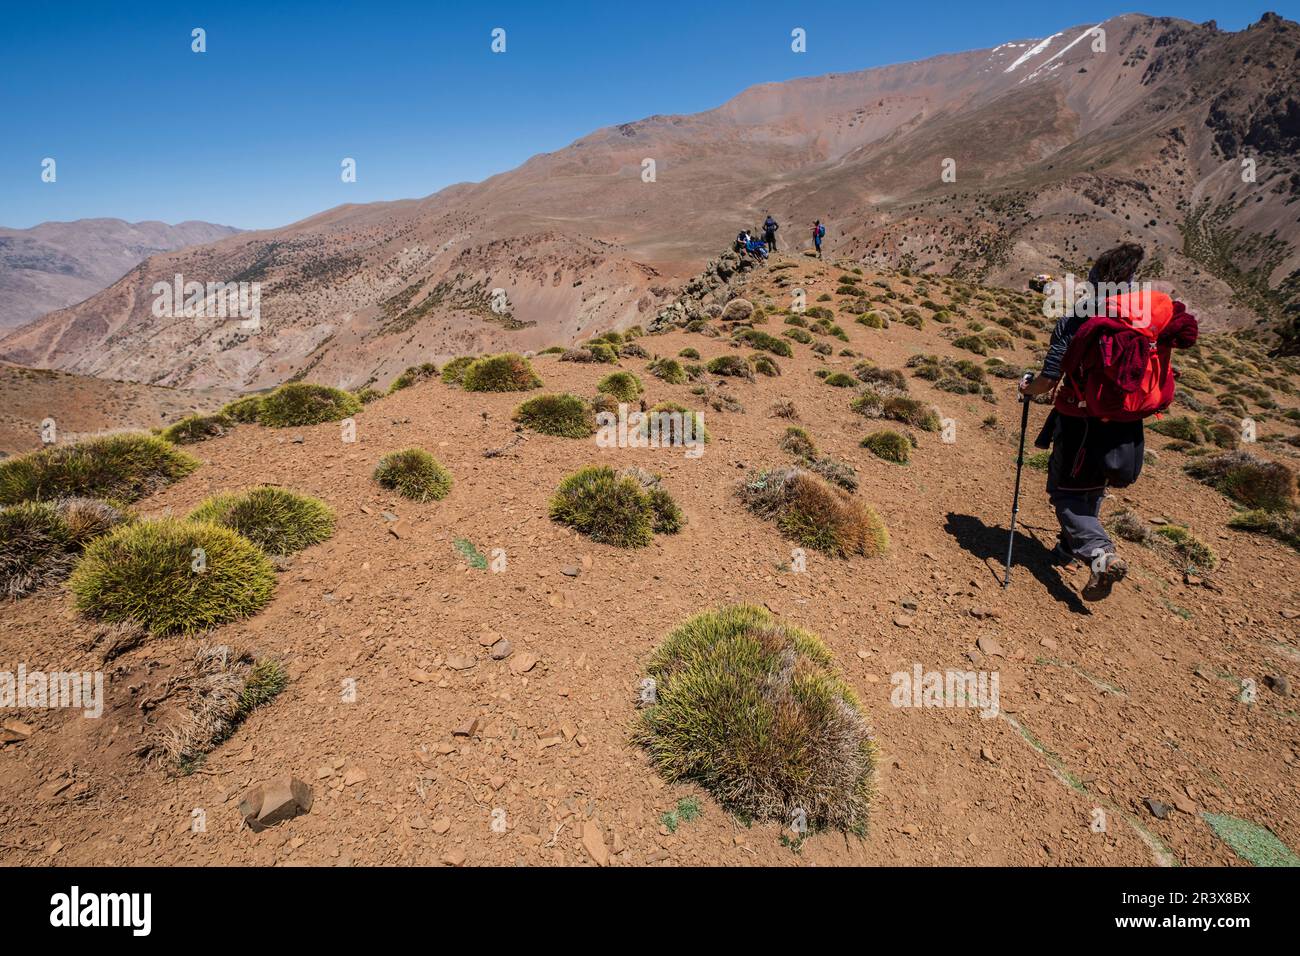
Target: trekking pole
x: 1020, y: 464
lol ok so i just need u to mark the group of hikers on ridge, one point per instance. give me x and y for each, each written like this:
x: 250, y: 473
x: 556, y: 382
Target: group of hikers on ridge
x: 749, y: 244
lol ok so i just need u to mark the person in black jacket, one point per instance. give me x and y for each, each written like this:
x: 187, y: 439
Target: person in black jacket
x: 769, y: 233
x: 1088, y: 454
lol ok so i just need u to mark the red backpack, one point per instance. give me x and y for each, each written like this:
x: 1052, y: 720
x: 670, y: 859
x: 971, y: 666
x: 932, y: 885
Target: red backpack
x: 1118, y: 367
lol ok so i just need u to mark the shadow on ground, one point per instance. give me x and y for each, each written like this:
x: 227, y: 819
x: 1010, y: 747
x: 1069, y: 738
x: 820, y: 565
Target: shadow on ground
x: 989, y: 544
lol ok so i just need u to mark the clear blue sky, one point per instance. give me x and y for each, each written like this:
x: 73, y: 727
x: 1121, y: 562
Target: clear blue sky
x: 252, y: 132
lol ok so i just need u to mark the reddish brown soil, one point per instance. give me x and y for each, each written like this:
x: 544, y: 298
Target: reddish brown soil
x: 388, y: 611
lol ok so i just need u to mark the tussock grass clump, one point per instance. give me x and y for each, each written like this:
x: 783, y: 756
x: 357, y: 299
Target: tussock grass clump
x: 764, y: 365
x: 300, y: 403
x: 40, y: 540
x: 118, y: 469
x: 732, y: 365
x: 872, y: 374
x: 889, y: 445
x: 812, y: 512
x: 692, y: 354
x: 802, y: 336
x: 764, y: 341
x: 672, y: 421
x: 912, y: 412
x: 508, y: 372
x: 1254, y: 482
x: 365, y: 395
x: 172, y: 576
x: 737, y: 310
x: 1188, y: 549
x: 840, y: 380
x: 669, y: 370
x: 197, y: 428
x: 1180, y: 427
x: 244, y: 411
x: 413, y: 375
x: 454, y: 371
x: 277, y: 520
x: 873, y: 320
x: 1284, y: 527
x: 798, y: 442
x: 624, y: 386
x: 564, y: 415
x: 757, y: 712
x: 1130, y: 527
x: 414, y: 473
x: 216, y: 693
x: 623, y: 509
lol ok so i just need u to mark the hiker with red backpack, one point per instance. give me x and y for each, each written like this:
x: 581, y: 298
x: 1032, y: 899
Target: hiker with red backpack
x: 1109, y: 364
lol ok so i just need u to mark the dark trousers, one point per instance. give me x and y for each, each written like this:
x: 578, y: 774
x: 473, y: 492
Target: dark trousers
x: 770, y: 239
x: 1088, y: 456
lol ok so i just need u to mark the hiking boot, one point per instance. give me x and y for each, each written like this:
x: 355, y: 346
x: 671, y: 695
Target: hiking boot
x: 1107, y: 571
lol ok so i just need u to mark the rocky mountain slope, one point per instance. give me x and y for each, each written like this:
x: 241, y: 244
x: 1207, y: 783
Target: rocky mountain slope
x: 58, y: 264
x: 452, y: 749
x: 1057, y: 149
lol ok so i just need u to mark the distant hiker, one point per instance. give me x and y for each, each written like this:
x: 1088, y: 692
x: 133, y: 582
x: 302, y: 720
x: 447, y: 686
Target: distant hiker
x: 769, y: 233
x: 1109, y: 362
x: 818, y: 234
x: 742, y: 241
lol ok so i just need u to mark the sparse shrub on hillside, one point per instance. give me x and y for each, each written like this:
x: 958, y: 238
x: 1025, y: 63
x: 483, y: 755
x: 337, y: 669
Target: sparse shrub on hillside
x: 913, y: 318
x: 1038, y: 460
x: 612, y: 508
x: 910, y: 411
x: 1180, y: 427
x: 1130, y: 527
x: 413, y: 376
x: 216, y: 693
x: 873, y: 320
x: 731, y: 365
x: 737, y: 310
x: 1254, y: 482
x: 814, y: 513
x: 40, y: 540
x: 840, y: 380
x: 889, y: 445
x: 414, y: 473
x: 764, y: 365
x: 672, y: 421
x: 757, y: 713
x: 119, y: 469
x: 798, y: 442
x: 872, y: 374
x: 245, y: 411
x: 868, y: 402
x: 802, y: 336
x: 624, y: 386
x: 669, y: 370
x: 1284, y: 527
x: 565, y: 416
x: 759, y: 339
x: 508, y: 372
x: 366, y: 395
x: 277, y: 520
x: 1195, y: 379
x: 784, y: 408
x: 972, y: 343
x: 300, y: 403
x: 454, y: 371
x: 833, y: 470
x: 1185, y: 547
x: 145, y: 573
x: 197, y: 428
x: 798, y: 321
x: 688, y: 353
x: 822, y: 348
